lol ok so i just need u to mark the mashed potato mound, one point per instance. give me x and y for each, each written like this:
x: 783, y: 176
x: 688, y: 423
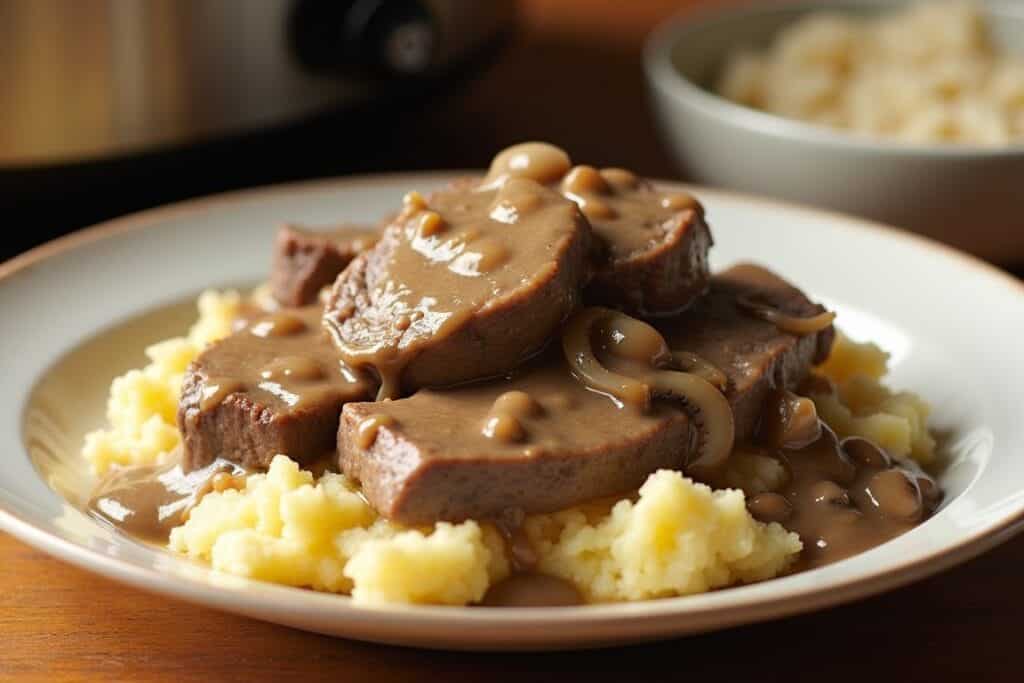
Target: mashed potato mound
x: 863, y: 406
x: 143, y: 404
x: 287, y: 528
x: 924, y: 73
x: 680, y: 537
x: 453, y: 564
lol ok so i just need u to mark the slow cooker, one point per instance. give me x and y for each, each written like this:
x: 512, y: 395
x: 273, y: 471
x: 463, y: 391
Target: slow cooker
x: 114, y: 105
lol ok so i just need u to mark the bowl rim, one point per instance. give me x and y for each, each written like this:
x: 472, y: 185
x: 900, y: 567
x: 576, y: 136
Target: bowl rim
x: 663, y: 77
x: 791, y: 601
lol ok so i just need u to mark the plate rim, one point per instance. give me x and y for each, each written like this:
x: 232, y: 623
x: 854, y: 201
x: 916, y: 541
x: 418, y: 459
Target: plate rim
x: 196, y: 591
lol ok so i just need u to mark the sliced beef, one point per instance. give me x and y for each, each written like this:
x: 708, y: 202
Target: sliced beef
x: 462, y: 286
x: 276, y: 386
x: 542, y: 442
x: 306, y: 261
x: 653, y: 245
x: 552, y: 444
x: 754, y: 354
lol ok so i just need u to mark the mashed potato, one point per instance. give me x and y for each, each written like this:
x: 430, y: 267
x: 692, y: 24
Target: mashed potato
x: 680, y: 537
x: 677, y: 537
x: 926, y: 73
x: 287, y: 528
x: 863, y: 406
x: 143, y: 404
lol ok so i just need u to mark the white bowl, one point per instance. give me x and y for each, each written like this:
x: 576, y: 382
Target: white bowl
x: 952, y: 324
x: 968, y: 196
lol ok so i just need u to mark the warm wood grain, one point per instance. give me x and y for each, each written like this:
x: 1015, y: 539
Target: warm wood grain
x: 581, y: 59
x: 62, y: 624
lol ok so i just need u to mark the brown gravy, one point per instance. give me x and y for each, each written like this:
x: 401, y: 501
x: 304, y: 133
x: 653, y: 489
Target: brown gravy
x: 439, y: 264
x: 148, y: 501
x: 528, y: 589
x: 516, y: 442
x: 627, y: 213
x: 282, y: 359
x: 844, y: 497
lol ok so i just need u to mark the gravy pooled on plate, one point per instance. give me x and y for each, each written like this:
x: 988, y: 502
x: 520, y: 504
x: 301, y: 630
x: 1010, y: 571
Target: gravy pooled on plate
x: 150, y: 500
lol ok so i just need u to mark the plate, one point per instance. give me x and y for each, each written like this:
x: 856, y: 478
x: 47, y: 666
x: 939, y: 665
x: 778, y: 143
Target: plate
x: 952, y: 324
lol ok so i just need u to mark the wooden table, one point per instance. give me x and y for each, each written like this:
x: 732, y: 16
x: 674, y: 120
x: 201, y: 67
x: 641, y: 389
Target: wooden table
x: 581, y: 59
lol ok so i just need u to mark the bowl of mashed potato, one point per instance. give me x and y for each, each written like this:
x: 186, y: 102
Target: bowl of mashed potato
x: 909, y: 113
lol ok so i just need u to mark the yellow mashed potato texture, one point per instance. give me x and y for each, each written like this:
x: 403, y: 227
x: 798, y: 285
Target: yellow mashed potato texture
x: 680, y: 537
x: 288, y: 528
x: 143, y: 404
x: 862, y: 406
x: 677, y: 537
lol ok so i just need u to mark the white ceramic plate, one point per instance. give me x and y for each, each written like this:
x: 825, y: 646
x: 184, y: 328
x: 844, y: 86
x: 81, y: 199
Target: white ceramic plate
x: 952, y: 324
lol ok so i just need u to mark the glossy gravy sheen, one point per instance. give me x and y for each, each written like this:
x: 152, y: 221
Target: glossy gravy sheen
x: 148, y: 501
x: 527, y: 589
x: 441, y: 261
x: 627, y: 213
x: 847, y: 497
x: 282, y: 359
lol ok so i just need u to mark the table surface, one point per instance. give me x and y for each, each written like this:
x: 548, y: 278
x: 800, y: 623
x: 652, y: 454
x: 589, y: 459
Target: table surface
x: 60, y: 624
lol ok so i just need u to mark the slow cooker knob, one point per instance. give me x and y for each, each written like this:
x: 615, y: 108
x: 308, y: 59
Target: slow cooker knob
x: 374, y: 37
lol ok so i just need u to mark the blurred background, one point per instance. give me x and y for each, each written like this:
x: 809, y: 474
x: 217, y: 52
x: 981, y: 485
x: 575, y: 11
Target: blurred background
x: 111, y: 106
x: 116, y: 105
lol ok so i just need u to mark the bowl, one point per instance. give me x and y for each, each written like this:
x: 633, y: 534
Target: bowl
x: 968, y: 196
